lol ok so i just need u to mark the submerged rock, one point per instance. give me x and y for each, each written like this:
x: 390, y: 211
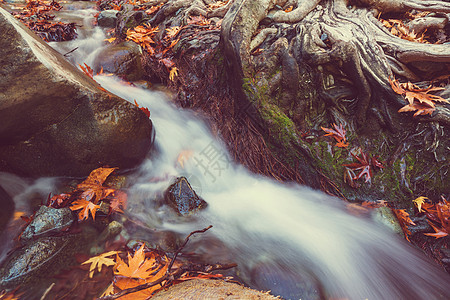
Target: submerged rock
x: 182, y: 198
x: 55, y: 120
x: 46, y: 221
x: 123, y: 60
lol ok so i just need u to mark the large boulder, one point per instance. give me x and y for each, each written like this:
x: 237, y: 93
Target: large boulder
x: 55, y: 120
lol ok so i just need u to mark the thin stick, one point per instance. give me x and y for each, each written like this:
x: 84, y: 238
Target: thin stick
x: 153, y: 283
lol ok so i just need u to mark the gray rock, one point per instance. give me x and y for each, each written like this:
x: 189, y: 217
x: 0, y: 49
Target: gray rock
x: 123, y: 60
x: 55, y: 120
x: 384, y: 215
x: 37, y: 259
x: 46, y: 221
x: 182, y: 198
x: 107, y: 18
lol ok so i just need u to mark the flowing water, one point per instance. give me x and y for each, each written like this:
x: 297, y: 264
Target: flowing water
x: 292, y: 231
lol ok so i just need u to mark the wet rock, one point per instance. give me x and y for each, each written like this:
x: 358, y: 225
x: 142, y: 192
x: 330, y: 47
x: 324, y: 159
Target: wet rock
x: 123, y: 60
x: 7, y: 205
x: 40, y: 258
x: 210, y: 289
x: 182, y: 198
x: 384, y: 215
x: 55, y: 120
x: 107, y: 18
x: 46, y: 221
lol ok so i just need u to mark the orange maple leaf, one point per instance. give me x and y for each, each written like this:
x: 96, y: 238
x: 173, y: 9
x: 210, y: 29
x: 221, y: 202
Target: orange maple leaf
x: 419, y: 99
x: 139, y: 270
x: 439, y: 232
x: 87, y: 70
x: 144, y: 109
x: 93, y: 185
x: 86, y: 207
x: 404, y: 220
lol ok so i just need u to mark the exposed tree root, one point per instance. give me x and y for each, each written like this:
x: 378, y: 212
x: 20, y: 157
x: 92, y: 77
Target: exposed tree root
x: 295, y: 16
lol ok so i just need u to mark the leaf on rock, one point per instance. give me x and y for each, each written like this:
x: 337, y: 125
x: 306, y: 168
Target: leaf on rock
x: 419, y: 99
x: 87, y: 70
x: 418, y: 202
x: 404, y: 220
x: 93, y: 185
x: 99, y: 261
x: 173, y: 73
x: 86, y: 207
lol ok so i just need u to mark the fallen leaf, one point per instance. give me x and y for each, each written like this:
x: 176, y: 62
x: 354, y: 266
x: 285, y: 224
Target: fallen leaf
x: 87, y: 70
x: 419, y: 202
x: 99, y: 261
x: 438, y: 232
x: 110, y: 40
x: 93, y: 185
x: 173, y: 73
x: 338, y: 133
x: 404, y: 220
x: 86, y: 207
x: 137, y: 266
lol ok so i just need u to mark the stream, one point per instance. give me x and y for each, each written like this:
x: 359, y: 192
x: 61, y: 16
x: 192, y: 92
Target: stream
x: 297, y: 235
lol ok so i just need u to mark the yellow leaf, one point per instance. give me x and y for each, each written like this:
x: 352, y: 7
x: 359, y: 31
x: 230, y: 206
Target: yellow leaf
x: 173, y: 73
x: 100, y: 260
x: 110, y: 40
x: 419, y: 202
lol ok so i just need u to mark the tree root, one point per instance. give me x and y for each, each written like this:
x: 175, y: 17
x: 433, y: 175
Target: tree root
x: 406, y: 5
x: 196, y: 7
x: 221, y: 11
x: 295, y: 16
x: 260, y: 37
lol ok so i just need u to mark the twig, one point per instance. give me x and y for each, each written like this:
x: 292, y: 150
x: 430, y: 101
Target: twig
x: 70, y: 52
x: 153, y: 283
x: 184, y: 244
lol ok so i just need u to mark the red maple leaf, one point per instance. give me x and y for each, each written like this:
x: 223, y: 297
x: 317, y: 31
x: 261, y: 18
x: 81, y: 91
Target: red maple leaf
x: 338, y: 133
x: 365, y: 165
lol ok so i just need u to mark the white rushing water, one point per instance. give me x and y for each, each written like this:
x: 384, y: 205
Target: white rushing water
x: 291, y: 228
